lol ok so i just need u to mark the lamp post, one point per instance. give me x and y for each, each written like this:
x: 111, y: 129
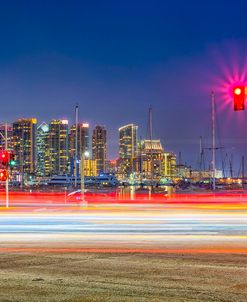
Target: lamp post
x: 84, y: 155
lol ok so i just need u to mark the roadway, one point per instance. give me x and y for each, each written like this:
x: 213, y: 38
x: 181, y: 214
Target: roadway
x: 190, y: 223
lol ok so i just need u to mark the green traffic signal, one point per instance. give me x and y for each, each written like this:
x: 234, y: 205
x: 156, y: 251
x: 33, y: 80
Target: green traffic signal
x: 12, y: 163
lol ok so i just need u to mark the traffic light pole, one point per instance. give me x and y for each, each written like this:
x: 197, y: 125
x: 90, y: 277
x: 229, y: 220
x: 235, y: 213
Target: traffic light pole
x: 6, y: 166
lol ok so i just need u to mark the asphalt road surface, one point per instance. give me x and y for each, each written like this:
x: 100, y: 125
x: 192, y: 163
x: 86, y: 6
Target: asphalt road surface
x: 211, y: 225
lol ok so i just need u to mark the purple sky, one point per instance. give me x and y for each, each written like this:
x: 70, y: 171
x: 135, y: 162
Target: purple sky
x: 117, y: 59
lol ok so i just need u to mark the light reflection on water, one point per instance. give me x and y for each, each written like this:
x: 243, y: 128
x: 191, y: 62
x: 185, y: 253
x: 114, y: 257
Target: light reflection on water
x: 131, y: 191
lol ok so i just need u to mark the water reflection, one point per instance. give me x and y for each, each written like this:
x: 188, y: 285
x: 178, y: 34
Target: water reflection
x: 130, y: 192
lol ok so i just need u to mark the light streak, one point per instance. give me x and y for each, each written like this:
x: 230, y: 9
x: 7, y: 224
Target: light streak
x: 199, y: 223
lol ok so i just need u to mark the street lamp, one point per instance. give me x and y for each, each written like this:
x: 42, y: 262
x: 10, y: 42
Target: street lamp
x: 84, y: 156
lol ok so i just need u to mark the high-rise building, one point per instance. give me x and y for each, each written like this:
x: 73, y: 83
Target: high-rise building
x: 82, y: 139
x: 99, y: 148
x: 90, y: 168
x: 128, y: 141
x: 41, y: 143
x: 24, y: 144
x: 127, y: 148
x: 82, y: 144
x: 149, y: 161
x: 56, y: 159
x: 169, y: 164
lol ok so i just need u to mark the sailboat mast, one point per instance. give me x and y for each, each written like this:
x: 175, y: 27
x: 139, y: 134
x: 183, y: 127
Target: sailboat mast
x: 243, y: 171
x: 231, y: 164
x: 151, y: 143
x: 213, y: 139
x: 140, y: 158
x: 200, y: 167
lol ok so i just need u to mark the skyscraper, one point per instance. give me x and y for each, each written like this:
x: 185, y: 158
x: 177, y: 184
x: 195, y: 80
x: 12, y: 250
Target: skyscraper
x: 42, y: 135
x: 169, y: 164
x: 128, y: 141
x: 82, y: 139
x: 127, y: 148
x: 56, y: 159
x: 152, y: 154
x: 99, y: 148
x: 24, y: 144
x: 82, y: 143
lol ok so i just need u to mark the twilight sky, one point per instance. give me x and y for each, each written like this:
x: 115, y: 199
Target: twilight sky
x: 115, y: 58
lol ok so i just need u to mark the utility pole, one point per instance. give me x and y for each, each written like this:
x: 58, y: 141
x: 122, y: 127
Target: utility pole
x: 213, y: 138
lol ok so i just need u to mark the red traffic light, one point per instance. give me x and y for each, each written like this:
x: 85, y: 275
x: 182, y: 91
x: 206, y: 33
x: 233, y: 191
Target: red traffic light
x: 3, y: 175
x: 239, y: 98
x: 4, y: 157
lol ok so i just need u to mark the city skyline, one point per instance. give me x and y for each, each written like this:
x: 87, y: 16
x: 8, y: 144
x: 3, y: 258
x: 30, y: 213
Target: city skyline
x: 120, y: 61
x: 48, y: 149
x: 194, y: 164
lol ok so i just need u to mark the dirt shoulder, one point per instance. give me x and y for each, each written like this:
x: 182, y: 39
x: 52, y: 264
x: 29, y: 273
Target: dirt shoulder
x: 122, y: 277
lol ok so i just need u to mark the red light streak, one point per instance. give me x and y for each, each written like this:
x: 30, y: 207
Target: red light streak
x: 108, y: 212
x: 54, y: 198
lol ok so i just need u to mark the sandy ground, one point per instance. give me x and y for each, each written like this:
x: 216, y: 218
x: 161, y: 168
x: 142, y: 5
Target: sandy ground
x: 122, y: 277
